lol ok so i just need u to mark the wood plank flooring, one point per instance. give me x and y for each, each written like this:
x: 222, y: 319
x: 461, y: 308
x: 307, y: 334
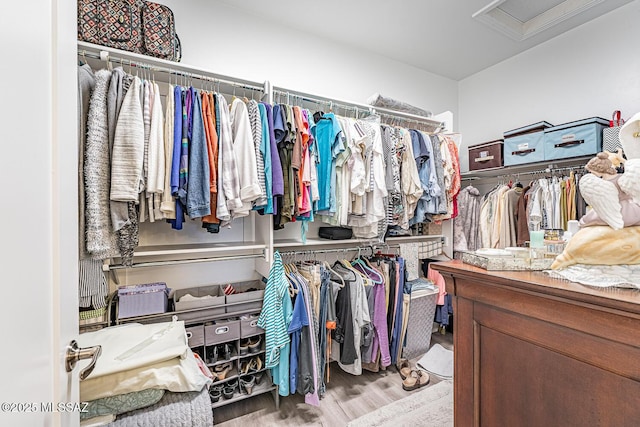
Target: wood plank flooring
x: 348, y: 397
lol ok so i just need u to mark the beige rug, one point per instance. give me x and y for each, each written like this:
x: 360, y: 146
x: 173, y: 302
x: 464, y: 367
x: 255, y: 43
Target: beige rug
x: 431, y: 406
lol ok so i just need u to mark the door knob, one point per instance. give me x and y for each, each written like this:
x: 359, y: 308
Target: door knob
x: 75, y: 354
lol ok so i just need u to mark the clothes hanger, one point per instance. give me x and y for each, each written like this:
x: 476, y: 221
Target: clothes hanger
x: 338, y: 265
x: 331, y: 271
x: 368, y: 271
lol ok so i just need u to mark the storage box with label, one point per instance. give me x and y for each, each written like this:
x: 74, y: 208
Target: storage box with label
x: 143, y: 299
x: 525, y: 144
x: 487, y: 155
x: 575, y: 139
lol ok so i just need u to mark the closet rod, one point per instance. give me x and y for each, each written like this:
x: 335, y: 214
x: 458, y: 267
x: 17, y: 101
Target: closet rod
x: 550, y: 169
x: 143, y: 64
x: 356, y: 106
x: 328, y: 251
x: 109, y: 267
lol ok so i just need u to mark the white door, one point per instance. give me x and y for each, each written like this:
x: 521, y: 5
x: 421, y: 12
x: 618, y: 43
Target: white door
x: 38, y: 213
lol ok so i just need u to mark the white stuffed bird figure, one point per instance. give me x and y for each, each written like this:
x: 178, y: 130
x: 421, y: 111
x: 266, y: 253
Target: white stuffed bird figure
x: 629, y: 182
x: 614, y: 198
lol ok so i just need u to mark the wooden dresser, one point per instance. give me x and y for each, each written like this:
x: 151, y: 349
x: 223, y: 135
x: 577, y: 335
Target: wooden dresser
x: 535, y: 351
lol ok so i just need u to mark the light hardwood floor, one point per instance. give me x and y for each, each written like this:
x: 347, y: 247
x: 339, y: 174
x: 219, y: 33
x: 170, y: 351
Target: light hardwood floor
x: 348, y: 397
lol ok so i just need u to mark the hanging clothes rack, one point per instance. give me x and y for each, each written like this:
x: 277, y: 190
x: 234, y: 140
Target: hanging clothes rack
x: 390, y: 117
x: 110, y: 267
x: 551, y: 170
x: 152, y: 65
x: 371, y: 248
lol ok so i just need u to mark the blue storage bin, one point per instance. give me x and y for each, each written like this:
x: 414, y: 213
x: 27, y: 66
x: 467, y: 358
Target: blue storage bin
x: 575, y: 139
x: 525, y: 145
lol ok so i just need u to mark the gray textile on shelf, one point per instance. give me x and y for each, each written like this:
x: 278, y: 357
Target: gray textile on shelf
x: 377, y: 100
x: 93, y: 288
x: 190, y: 409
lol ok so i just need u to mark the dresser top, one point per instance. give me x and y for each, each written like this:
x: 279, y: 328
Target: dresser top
x: 540, y: 282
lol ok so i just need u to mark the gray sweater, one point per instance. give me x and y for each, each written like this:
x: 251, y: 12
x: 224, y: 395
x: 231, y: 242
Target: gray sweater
x: 100, y: 238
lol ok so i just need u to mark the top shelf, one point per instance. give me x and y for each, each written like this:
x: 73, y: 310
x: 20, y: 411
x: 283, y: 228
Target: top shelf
x: 291, y: 243
x: 526, y: 168
x: 196, y: 249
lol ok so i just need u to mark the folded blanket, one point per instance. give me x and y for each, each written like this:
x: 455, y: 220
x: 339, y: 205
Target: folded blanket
x: 177, y: 375
x: 378, y: 100
x: 121, y: 403
x: 173, y: 410
x: 134, y: 345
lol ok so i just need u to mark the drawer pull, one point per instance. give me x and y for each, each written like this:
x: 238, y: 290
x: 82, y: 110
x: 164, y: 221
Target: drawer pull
x: 222, y: 330
x: 522, y: 152
x: 483, y: 159
x: 570, y: 143
x: 253, y: 323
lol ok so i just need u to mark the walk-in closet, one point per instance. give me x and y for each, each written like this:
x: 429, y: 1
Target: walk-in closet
x: 240, y: 213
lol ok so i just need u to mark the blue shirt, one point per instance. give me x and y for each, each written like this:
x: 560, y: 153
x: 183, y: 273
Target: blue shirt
x: 298, y: 321
x: 327, y: 132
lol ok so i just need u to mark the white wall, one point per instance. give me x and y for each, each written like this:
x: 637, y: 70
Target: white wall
x: 227, y: 41
x: 39, y: 213
x: 589, y: 71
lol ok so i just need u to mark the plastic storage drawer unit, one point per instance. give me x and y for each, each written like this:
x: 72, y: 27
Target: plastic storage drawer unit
x: 525, y: 144
x: 575, y: 139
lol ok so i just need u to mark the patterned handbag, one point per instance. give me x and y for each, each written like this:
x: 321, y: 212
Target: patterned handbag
x: 133, y: 25
x: 610, y: 135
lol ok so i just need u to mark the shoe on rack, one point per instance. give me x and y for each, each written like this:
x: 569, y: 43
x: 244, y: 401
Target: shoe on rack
x: 228, y: 351
x: 245, y: 365
x: 221, y: 371
x: 216, y: 388
x: 227, y: 392
x: 254, y: 344
x: 244, y: 347
x: 247, y: 382
x: 258, y: 377
x: 255, y: 364
x: 215, y: 394
x: 213, y: 352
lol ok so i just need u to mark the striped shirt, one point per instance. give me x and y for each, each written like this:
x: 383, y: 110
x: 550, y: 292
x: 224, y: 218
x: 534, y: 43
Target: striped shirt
x: 256, y: 130
x: 272, y: 314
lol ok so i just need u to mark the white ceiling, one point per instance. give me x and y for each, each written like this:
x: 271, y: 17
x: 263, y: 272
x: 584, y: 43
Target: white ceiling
x: 439, y: 36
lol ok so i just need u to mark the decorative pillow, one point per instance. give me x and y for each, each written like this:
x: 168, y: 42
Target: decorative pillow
x: 121, y: 403
x: 601, y: 245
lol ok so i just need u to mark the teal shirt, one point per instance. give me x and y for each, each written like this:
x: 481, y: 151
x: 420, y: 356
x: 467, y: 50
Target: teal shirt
x: 274, y: 319
x: 265, y: 149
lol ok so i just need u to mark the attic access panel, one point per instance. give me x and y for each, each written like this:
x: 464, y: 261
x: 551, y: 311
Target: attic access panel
x: 521, y: 19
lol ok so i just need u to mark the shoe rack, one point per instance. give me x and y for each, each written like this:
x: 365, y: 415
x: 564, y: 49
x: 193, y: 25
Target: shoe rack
x: 234, y: 351
x: 228, y: 340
